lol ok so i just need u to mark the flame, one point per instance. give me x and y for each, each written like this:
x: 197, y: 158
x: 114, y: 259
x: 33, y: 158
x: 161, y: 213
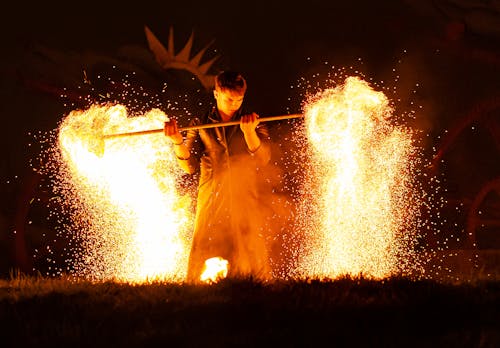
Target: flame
x: 214, y: 270
x: 362, y: 186
x: 359, y: 208
x: 129, y: 216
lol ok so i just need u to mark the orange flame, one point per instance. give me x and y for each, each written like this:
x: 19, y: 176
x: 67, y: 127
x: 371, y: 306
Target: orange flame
x: 135, y: 226
x: 363, y: 183
x: 215, y: 269
x: 360, y: 208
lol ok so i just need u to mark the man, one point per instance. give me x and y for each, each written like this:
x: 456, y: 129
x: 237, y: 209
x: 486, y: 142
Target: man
x: 229, y: 221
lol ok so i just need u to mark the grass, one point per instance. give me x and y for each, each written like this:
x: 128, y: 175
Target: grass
x: 353, y: 312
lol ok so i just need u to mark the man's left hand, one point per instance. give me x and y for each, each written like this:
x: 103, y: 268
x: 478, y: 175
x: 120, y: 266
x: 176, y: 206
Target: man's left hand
x: 249, y: 122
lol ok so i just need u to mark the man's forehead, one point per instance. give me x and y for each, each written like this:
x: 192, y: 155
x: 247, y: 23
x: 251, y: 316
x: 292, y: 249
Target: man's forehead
x: 233, y: 94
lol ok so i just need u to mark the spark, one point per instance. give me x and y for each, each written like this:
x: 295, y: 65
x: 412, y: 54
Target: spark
x: 361, y: 204
x: 129, y: 217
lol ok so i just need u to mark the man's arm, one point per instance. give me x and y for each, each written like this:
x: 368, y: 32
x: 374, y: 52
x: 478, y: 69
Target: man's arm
x: 257, y: 138
x: 182, y: 151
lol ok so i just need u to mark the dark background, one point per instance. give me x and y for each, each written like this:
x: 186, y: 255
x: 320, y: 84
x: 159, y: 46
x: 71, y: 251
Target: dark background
x: 439, y: 59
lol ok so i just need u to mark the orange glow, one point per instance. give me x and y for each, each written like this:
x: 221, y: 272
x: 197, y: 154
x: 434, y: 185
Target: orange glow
x: 214, y: 270
x: 362, y: 197
x: 132, y: 222
x: 358, y: 210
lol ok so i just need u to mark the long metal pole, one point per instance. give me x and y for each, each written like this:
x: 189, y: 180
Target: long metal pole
x: 202, y: 126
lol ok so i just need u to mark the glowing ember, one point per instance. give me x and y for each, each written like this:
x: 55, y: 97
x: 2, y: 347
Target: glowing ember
x: 214, y: 270
x: 358, y: 210
x: 129, y: 218
x: 361, y: 206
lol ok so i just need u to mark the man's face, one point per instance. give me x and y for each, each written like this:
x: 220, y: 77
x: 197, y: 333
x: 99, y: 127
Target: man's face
x: 228, y: 101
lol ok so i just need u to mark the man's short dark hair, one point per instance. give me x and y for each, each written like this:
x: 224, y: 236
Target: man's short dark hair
x: 231, y: 80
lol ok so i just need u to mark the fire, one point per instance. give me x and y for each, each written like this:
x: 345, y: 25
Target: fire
x: 359, y: 208
x: 132, y: 223
x: 214, y: 270
x: 362, y: 206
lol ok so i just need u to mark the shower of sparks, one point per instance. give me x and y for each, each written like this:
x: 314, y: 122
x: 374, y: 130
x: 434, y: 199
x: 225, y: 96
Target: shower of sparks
x: 356, y: 209
x: 360, y: 199
x: 131, y: 222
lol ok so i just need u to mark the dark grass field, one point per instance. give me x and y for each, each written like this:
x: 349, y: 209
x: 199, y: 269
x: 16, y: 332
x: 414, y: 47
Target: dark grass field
x: 347, y: 312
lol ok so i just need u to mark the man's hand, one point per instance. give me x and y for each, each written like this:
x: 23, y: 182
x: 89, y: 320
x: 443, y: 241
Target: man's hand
x: 248, y: 123
x: 171, y: 131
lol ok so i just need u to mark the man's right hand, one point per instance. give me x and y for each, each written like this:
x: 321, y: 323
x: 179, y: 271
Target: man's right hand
x: 171, y: 131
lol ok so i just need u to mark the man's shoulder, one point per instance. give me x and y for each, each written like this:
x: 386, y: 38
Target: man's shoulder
x: 211, y: 113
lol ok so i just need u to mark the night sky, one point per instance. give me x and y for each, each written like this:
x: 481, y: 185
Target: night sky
x: 443, y: 67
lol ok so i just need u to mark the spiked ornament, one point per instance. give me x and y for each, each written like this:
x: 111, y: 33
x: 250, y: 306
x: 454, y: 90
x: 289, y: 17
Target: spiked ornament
x: 167, y: 58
